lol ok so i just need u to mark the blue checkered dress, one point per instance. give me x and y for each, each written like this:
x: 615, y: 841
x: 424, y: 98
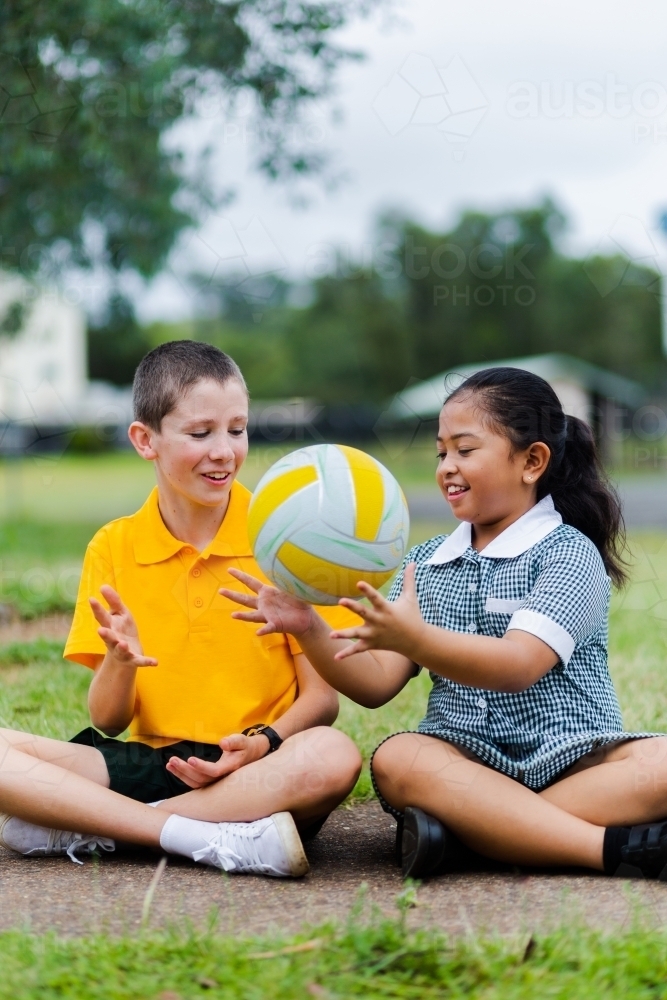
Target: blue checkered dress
x: 557, y: 589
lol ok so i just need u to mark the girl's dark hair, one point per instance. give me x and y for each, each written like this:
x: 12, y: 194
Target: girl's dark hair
x: 526, y: 409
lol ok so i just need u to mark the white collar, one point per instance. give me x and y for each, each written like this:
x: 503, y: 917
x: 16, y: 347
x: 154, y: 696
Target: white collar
x: 521, y: 535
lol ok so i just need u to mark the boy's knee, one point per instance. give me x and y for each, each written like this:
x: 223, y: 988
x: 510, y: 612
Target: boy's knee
x: 332, y: 754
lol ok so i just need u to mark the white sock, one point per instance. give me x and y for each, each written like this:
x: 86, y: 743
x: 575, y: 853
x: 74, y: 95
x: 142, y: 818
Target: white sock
x: 181, y: 835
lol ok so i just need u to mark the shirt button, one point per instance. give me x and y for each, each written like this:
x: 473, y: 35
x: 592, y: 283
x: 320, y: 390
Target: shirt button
x: 472, y: 627
x: 472, y: 587
x: 187, y: 551
x: 198, y: 602
x: 196, y: 571
x: 481, y: 702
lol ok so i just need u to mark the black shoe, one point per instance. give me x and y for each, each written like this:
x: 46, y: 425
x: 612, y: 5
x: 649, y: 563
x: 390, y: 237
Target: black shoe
x: 424, y: 846
x: 645, y: 854
x: 399, y: 841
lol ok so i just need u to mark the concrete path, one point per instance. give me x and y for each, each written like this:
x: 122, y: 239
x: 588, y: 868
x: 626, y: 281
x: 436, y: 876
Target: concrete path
x: 644, y: 503
x: 355, y: 848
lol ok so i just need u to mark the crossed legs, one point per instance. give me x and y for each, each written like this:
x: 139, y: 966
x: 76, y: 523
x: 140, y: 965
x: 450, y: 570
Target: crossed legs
x: 66, y: 786
x: 622, y: 785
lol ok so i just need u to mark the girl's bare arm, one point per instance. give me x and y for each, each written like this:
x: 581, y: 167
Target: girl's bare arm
x: 369, y: 678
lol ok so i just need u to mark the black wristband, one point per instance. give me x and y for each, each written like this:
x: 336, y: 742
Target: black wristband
x: 275, y: 741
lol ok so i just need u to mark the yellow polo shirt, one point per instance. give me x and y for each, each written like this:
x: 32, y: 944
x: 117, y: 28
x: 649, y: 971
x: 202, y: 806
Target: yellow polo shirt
x: 215, y: 676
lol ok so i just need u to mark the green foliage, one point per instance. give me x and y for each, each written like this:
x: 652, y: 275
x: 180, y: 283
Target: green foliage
x: 117, y: 344
x: 377, y: 958
x: 493, y: 287
x: 352, y: 344
x: 89, y: 90
x: 496, y: 287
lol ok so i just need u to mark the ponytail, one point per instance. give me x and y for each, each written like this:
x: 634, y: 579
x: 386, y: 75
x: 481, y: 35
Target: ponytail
x: 526, y: 409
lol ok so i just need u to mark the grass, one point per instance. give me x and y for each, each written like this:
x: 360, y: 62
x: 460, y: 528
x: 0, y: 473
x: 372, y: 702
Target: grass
x: 378, y: 959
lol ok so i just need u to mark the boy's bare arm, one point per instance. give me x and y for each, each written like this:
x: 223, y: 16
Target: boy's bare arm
x: 316, y: 705
x: 112, y: 693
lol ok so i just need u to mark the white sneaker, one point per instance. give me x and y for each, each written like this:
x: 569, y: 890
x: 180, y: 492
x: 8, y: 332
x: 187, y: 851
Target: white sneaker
x: 39, y: 842
x: 270, y: 846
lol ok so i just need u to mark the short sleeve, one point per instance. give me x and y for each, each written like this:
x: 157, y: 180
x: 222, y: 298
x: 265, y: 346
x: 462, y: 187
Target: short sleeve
x: 334, y: 615
x: 570, y: 598
x: 397, y: 584
x: 83, y: 643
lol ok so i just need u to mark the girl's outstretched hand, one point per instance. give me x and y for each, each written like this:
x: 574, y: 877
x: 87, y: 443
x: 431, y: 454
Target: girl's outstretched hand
x: 273, y: 609
x: 391, y: 625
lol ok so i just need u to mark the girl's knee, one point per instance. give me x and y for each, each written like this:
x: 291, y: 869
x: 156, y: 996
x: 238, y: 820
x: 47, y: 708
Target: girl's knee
x: 390, y: 757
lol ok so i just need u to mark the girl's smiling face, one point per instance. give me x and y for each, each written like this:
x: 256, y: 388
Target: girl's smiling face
x: 484, y: 480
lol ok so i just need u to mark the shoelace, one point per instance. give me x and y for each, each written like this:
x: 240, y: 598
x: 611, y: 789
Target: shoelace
x: 59, y: 842
x: 234, y: 848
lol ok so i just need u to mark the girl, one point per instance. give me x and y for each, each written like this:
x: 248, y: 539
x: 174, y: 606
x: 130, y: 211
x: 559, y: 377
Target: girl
x: 522, y: 755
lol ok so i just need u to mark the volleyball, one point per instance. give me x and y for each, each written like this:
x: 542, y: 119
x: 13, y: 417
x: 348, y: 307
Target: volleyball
x: 325, y: 517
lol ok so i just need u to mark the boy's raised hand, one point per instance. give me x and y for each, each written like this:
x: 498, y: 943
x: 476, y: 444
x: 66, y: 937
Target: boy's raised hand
x: 119, y: 631
x: 393, y: 625
x: 273, y: 609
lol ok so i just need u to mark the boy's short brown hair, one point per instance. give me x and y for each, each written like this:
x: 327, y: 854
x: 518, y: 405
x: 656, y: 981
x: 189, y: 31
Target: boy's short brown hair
x: 166, y: 373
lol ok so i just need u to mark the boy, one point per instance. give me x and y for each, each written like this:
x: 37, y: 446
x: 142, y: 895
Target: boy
x: 205, y: 683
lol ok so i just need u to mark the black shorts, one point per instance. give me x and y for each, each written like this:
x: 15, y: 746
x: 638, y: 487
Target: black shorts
x: 140, y: 771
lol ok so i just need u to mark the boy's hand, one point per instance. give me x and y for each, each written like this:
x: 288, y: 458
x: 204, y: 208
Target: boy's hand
x: 393, y: 625
x: 119, y: 631
x: 275, y: 610
x: 238, y: 750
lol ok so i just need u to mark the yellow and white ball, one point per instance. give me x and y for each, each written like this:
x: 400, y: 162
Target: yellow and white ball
x: 325, y: 517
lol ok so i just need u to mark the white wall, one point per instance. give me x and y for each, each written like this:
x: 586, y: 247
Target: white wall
x: 43, y: 366
x: 575, y: 400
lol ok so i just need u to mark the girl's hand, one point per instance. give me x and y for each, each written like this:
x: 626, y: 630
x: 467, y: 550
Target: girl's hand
x: 119, y: 631
x: 237, y: 751
x: 275, y: 610
x: 387, y: 625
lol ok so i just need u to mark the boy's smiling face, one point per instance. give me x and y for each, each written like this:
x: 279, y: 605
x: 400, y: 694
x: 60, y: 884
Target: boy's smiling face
x: 201, y: 444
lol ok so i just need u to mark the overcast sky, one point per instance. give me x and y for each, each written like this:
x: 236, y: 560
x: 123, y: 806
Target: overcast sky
x: 458, y: 105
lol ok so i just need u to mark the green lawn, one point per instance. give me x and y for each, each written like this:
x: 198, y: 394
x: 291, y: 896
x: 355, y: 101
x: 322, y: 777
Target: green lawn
x: 374, y: 960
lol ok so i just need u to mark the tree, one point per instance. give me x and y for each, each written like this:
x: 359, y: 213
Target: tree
x: 117, y: 344
x: 90, y: 89
x: 496, y: 286
x: 493, y: 287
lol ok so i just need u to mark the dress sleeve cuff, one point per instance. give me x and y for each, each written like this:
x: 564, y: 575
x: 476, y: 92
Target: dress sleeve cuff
x: 545, y: 629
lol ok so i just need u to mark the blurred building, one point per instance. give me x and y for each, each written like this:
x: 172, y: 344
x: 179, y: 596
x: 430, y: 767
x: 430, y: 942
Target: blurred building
x: 44, y: 389
x: 606, y: 401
